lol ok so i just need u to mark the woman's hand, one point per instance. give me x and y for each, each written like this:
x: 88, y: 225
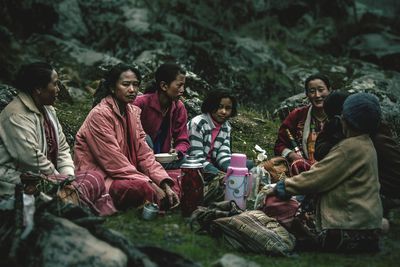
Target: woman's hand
x: 173, y: 198
x: 159, y: 192
x: 270, y: 192
x: 293, y: 156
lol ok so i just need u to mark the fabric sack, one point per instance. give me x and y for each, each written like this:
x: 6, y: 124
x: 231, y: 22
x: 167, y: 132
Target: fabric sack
x: 253, y: 231
x: 278, y: 168
x: 201, y: 219
x: 214, y: 190
x: 284, y: 211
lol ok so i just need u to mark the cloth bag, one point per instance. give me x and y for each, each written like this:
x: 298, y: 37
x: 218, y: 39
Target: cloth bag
x: 254, y: 231
x: 277, y: 168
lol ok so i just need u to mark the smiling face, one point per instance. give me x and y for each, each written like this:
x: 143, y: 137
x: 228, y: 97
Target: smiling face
x: 48, y: 95
x: 317, y: 91
x: 174, y: 90
x: 126, y: 88
x: 224, y: 111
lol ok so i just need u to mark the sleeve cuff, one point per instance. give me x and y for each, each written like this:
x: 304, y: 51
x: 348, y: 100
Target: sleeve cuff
x: 168, y: 181
x: 225, y: 165
x: 67, y: 170
x: 286, y: 152
x: 209, y: 168
x: 280, y: 191
x: 180, y: 154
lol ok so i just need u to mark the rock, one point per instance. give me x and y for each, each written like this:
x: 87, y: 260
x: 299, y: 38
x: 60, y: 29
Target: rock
x: 381, y: 48
x: 79, y: 62
x: 193, y: 107
x: 136, y: 19
x: 70, y: 23
x: 289, y: 104
x: 195, y: 85
x: 165, y: 258
x: 63, y: 243
x: 7, y: 93
x: 258, y: 52
x: 231, y: 260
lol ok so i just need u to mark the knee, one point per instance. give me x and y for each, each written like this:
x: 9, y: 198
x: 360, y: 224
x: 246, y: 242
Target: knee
x: 92, y: 180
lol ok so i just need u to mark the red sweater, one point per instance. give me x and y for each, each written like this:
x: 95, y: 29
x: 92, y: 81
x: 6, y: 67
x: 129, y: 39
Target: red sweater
x: 295, y: 123
x: 152, y: 118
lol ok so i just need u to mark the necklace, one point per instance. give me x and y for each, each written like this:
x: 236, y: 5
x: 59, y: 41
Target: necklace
x: 320, y: 117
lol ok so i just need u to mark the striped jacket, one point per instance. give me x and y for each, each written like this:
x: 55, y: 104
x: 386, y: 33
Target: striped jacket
x: 200, y: 128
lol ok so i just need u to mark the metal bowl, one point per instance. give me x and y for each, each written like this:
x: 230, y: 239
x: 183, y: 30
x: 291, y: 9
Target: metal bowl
x: 166, y: 157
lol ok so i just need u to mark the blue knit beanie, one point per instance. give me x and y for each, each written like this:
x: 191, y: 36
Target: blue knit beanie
x: 362, y: 112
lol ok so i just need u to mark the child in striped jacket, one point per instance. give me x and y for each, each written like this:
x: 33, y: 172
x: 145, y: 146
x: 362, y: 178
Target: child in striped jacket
x: 210, y: 132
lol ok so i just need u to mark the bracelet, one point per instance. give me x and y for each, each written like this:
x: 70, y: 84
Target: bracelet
x: 286, y: 152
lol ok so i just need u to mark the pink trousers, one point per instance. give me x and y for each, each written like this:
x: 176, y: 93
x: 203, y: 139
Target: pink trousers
x: 122, y: 194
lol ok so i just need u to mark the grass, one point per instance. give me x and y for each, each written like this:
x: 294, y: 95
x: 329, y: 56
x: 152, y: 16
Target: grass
x: 172, y: 231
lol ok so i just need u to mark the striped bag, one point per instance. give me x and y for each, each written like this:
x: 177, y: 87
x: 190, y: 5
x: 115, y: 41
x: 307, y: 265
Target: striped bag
x: 253, y: 231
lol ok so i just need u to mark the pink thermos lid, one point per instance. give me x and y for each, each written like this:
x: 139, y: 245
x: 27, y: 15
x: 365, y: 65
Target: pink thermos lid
x: 238, y: 160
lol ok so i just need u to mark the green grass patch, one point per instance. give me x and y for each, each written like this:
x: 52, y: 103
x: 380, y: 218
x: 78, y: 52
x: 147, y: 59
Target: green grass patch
x: 173, y: 232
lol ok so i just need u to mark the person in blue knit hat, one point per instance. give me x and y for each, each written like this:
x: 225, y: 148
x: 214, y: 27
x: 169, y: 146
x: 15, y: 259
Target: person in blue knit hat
x: 362, y: 112
x: 349, y: 208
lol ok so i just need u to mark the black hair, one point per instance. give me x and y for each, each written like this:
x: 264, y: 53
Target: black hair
x: 333, y: 103
x: 110, y: 79
x: 213, y: 99
x: 167, y: 73
x: 319, y: 76
x: 32, y: 76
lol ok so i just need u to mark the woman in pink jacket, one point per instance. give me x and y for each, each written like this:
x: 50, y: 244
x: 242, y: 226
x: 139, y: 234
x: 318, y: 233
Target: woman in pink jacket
x: 164, y: 116
x: 112, y: 142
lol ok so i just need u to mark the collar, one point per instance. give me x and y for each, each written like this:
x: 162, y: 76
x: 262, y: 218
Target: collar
x: 111, y: 102
x: 155, y: 103
x: 27, y: 100
x: 306, y: 130
x: 211, y: 122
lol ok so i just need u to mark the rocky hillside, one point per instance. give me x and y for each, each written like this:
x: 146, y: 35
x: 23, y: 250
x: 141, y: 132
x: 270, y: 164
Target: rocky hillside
x: 260, y: 49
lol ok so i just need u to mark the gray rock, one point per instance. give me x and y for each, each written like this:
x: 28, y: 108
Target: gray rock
x: 136, y: 19
x: 193, y: 107
x: 382, y: 48
x: 7, y: 94
x: 231, y: 260
x: 63, y: 243
x: 70, y: 54
x: 70, y: 23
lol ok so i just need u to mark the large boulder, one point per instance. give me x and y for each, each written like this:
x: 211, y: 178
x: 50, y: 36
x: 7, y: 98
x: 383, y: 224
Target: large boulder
x: 63, y: 243
x: 382, y: 48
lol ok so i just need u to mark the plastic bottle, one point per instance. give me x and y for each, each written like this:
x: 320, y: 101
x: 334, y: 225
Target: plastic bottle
x: 238, y: 180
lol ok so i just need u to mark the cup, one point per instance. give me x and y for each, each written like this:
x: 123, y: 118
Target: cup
x: 150, y: 211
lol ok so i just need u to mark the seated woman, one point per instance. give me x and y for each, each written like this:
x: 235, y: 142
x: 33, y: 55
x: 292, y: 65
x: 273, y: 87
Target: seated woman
x: 210, y: 132
x: 163, y: 115
x: 31, y: 137
x: 112, y: 142
x: 298, y: 132
x: 349, y: 214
